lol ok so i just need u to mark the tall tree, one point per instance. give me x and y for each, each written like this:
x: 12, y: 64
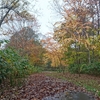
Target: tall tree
x: 53, y: 53
x: 26, y: 41
x: 75, y: 30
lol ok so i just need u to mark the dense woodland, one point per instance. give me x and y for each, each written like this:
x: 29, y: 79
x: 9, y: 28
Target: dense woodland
x: 73, y: 47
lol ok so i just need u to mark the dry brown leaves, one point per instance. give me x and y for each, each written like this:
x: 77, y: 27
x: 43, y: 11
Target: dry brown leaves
x: 39, y: 86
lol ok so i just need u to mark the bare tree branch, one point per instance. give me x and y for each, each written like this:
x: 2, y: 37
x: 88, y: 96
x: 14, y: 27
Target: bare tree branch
x: 13, y: 3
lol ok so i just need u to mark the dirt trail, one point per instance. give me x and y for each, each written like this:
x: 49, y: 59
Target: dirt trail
x: 38, y: 86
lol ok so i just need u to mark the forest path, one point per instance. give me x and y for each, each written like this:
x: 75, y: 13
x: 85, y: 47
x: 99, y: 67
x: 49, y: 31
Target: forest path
x: 42, y: 87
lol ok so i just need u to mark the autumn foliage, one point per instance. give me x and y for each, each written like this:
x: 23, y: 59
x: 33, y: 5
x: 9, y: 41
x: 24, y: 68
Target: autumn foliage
x: 53, y: 53
x: 78, y: 34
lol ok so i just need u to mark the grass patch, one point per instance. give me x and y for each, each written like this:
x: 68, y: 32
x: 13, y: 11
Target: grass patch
x: 90, y: 83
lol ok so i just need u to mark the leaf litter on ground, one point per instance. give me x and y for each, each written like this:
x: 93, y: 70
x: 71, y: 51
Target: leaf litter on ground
x: 39, y: 86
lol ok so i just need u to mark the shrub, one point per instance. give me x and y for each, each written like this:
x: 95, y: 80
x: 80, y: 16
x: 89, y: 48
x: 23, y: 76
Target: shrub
x: 92, y: 69
x: 13, y: 66
x: 74, y: 68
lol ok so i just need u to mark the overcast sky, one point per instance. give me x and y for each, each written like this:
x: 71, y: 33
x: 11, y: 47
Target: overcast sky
x: 46, y: 15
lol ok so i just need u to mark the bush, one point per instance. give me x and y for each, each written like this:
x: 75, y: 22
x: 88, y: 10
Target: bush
x: 13, y: 66
x: 92, y: 69
x: 74, y: 68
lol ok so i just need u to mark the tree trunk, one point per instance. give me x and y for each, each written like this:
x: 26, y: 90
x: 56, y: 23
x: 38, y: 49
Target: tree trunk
x: 89, y: 58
